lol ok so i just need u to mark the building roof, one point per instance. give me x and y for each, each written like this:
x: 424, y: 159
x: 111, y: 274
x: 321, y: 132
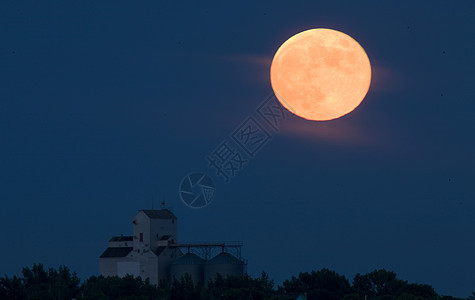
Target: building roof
x: 116, y: 252
x: 122, y: 238
x: 165, y: 237
x: 189, y: 259
x: 160, y: 250
x: 225, y: 258
x: 159, y: 214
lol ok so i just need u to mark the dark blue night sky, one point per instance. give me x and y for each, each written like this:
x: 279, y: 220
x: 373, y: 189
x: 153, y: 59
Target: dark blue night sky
x: 105, y: 105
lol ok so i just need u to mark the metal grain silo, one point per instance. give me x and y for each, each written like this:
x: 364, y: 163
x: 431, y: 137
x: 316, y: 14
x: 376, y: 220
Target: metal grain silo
x: 189, y: 263
x: 224, y: 264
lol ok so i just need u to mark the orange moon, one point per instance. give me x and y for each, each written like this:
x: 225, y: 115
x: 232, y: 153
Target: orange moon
x: 320, y: 74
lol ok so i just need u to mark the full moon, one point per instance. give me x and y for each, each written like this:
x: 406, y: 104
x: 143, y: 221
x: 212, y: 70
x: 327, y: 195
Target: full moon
x: 320, y: 74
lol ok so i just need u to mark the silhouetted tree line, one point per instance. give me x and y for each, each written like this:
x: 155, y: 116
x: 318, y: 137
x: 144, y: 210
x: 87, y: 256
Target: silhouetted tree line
x: 39, y: 283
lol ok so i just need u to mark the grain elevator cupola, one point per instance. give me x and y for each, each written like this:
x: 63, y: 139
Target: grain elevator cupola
x: 154, y: 228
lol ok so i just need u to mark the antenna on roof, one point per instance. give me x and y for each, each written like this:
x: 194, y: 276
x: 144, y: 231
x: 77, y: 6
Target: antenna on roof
x: 152, y: 202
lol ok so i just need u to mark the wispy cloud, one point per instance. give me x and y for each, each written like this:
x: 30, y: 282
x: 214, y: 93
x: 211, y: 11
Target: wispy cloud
x: 259, y: 64
x: 340, y: 131
x: 252, y: 59
x: 346, y: 131
x: 385, y: 78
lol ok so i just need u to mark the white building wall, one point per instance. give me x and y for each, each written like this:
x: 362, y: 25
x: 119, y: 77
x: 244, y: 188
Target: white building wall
x: 141, y: 224
x: 160, y: 228
x: 147, y: 263
x: 108, y: 266
x: 128, y: 268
